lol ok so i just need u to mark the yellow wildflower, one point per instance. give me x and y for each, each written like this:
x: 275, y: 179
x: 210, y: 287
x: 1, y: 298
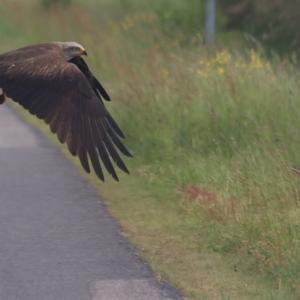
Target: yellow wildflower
x: 255, y: 60
x: 221, y: 71
x: 223, y: 57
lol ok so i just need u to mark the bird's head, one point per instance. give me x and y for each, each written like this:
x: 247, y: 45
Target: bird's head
x: 72, y: 49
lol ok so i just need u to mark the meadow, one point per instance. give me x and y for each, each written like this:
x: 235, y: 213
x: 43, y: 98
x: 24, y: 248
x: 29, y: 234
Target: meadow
x: 212, y: 202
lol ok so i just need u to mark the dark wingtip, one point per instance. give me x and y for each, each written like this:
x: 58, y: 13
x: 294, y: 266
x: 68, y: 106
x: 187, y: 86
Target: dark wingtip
x: 115, y: 177
x: 100, y: 176
x: 107, y: 97
x: 126, y: 171
x: 101, y: 89
x: 122, y: 166
x: 114, y: 125
x: 128, y: 154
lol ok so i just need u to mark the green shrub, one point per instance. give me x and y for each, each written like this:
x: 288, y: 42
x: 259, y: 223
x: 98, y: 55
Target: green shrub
x: 186, y: 16
x: 274, y: 22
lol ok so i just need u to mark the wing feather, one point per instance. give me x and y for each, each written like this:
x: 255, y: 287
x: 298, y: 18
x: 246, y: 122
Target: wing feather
x: 68, y: 97
x: 117, y: 142
x: 103, y: 153
x: 95, y: 84
x: 93, y: 151
x: 112, y: 151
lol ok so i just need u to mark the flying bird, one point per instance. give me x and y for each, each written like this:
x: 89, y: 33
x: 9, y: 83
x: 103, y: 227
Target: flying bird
x: 53, y: 82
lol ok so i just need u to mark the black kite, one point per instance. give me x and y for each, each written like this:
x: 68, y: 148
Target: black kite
x: 54, y: 83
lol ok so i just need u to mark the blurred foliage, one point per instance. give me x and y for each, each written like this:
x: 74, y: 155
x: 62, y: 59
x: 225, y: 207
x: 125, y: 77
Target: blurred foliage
x: 48, y: 3
x: 176, y: 18
x: 186, y: 16
x: 274, y: 22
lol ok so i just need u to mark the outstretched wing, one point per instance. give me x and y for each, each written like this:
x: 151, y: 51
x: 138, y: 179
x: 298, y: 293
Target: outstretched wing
x: 62, y: 95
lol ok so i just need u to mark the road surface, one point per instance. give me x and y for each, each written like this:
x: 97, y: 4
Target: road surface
x: 57, y: 241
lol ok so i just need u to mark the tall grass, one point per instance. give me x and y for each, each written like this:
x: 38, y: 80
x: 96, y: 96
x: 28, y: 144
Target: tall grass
x: 223, y: 130
x: 215, y: 135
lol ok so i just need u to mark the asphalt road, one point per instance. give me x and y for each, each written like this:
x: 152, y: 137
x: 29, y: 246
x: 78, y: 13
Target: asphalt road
x: 57, y: 241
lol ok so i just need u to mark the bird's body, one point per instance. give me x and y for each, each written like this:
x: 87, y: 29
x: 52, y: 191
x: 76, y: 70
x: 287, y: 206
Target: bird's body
x: 53, y: 82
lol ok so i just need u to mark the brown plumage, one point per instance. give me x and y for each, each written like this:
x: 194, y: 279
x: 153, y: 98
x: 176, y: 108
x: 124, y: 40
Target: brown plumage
x: 53, y: 82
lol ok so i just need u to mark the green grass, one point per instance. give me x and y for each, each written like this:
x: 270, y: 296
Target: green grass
x: 212, y: 203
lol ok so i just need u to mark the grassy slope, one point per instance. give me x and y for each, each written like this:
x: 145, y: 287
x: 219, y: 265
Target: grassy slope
x: 211, y: 202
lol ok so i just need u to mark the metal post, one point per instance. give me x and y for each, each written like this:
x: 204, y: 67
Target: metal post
x: 198, y: 21
x: 210, y: 22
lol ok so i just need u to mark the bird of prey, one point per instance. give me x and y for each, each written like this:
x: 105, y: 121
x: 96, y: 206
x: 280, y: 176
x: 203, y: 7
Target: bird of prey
x: 53, y: 82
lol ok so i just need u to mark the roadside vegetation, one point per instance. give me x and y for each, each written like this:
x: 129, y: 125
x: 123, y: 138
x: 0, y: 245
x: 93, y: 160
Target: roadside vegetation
x: 212, y: 202
x: 274, y: 23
